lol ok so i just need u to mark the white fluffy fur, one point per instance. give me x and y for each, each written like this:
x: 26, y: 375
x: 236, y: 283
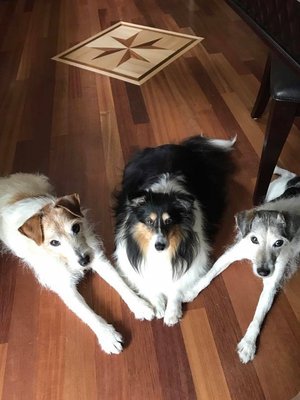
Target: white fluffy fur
x: 155, y: 281
x: 58, y: 268
x: 286, y: 264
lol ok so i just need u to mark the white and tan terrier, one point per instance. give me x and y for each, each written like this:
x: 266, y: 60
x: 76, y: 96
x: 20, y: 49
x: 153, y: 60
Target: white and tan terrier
x: 53, y: 237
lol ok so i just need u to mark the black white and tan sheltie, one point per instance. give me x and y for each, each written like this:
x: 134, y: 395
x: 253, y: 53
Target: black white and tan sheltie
x: 167, y: 210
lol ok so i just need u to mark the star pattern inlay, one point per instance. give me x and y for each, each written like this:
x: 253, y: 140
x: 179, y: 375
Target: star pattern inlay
x: 129, y: 52
x: 129, y: 48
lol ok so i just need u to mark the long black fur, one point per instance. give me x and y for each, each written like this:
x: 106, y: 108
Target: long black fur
x: 205, y: 167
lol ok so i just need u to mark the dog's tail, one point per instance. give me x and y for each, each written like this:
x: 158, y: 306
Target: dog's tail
x: 224, y: 144
x: 283, y: 172
x: 201, y: 143
x: 212, y: 153
x: 279, y: 185
x: 212, y: 164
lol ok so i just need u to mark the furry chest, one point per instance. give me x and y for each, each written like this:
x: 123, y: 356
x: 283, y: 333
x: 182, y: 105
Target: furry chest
x: 157, y: 270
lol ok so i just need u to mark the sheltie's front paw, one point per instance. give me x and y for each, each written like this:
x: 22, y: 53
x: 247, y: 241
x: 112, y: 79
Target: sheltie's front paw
x: 173, y: 316
x: 142, y: 310
x: 159, y: 303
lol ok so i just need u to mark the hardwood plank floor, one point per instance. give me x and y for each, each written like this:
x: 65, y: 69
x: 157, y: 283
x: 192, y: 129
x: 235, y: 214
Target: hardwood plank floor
x: 80, y: 128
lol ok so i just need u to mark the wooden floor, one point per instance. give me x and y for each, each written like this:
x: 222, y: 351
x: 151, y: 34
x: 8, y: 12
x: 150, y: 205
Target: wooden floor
x: 79, y: 128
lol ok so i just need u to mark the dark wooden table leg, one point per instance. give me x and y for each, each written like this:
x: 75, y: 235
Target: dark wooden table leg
x: 282, y: 114
x: 263, y: 93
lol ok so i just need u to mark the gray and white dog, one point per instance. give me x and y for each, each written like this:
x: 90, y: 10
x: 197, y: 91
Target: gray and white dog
x: 268, y: 236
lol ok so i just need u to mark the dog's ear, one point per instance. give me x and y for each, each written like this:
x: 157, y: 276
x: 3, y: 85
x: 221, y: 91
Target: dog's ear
x: 185, y: 200
x: 243, y: 221
x: 33, y: 229
x: 138, y: 199
x: 70, y: 203
x: 292, y: 224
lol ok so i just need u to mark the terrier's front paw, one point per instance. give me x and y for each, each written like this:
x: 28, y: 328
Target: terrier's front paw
x: 191, y: 294
x: 246, y: 350
x: 110, y: 340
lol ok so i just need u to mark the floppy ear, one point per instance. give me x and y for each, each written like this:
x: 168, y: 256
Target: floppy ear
x: 185, y: 200
x: 243, y: 221
x: 33, y: 229
x: 70, y: 203
x: 292, y: 224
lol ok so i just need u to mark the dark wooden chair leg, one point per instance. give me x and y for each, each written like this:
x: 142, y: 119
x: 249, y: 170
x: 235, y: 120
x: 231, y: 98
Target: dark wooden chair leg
x: 263, y: 93
x: 282, y: 114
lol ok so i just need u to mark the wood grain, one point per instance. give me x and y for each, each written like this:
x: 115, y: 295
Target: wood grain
x: 80, y: 128
x: 208, y: 376
x: 3, y: 353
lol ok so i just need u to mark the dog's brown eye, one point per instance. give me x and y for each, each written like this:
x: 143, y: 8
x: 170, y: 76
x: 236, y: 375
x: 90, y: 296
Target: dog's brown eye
x: 55, y: 243
x: 75, y: 228
x: 254, y: 239
x: 168, y: 221
x: 278, y: 243
x: 149, y: 221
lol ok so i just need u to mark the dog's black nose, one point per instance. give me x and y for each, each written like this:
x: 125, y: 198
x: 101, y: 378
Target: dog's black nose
x: 263, y: 271
x: 84, y: 260
x: 160, y: 246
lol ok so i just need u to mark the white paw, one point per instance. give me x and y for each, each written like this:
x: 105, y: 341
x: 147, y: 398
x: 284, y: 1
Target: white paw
x: 110, y: 340
x: 172, y: 317
x: 246, y: 350
x: 159, y: 304
x: 142, y: 310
